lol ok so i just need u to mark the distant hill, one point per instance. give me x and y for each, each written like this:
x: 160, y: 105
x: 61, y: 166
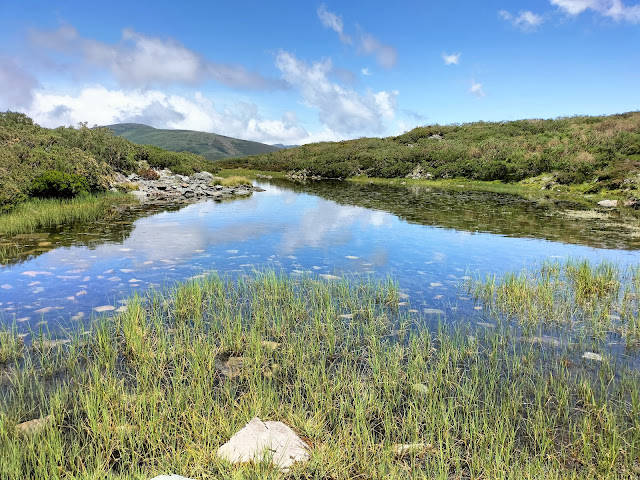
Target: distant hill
x: 210, y: 145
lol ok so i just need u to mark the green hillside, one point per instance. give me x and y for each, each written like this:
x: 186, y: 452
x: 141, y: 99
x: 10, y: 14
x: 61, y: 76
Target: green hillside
x: 603, y: 151
x: 210, y: 145
x: 37, y: 161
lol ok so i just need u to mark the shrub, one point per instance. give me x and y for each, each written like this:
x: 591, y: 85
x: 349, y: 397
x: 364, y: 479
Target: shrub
x: 56, y: 184
x: 148, y: 174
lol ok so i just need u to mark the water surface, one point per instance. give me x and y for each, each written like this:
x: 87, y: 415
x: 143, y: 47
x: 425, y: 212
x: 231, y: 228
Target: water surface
x: 428, y: 240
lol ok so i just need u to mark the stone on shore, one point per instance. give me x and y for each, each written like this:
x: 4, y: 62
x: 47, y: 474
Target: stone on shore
x: 608, y: 203
x: 260, y: 440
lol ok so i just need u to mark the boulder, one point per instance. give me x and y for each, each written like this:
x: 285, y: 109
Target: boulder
x: 260, y: 440
x: 608, y: 203
x: 203, y: 176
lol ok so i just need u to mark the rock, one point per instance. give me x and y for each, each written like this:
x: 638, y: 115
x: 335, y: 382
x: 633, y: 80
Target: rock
x: 545, y: 340
x: 436, y: 136
x: 231, y: 368
x: 433, y: 311
x: 608, y: 203
x: 260, y: 440
x: 33, y: 427
x: 327, y: 276
x: 104, y: 308
x: 403, y: 449
x: 203, y: 176
x: 139, y: 194
x: 592, y: 356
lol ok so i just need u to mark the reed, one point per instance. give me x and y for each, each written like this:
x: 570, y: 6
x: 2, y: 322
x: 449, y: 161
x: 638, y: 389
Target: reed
x: 142, y: 394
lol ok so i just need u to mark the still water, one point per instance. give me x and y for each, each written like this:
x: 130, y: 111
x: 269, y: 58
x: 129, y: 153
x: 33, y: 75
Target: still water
x: 429, y: 241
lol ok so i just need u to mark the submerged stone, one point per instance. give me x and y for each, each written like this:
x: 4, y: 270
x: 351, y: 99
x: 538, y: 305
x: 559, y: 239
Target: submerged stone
x: 104, y: 308
x: 260, y: 440
x: 433, y: 311
x: 592, y: 356
x: 403, y: 449
x: 420, y: 388
x: 327, y: 276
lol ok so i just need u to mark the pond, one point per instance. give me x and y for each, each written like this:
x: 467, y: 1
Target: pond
x: 430, y: 241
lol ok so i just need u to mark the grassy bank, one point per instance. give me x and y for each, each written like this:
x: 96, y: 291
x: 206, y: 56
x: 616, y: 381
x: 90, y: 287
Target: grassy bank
x: 144, y: 394
x: 44, y: 214
x: 596, y: 153
x: 90, y: 157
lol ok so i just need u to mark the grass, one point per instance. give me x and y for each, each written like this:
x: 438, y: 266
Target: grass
x: 232, y: 181
x: 43, y: 214
x: 596, y: 300
x: 142, y: 395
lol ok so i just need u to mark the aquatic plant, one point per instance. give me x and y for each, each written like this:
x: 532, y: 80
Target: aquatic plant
x: 145, y: 393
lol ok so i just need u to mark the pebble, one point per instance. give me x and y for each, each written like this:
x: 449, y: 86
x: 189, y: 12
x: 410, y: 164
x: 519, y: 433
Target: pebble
x: 592, y: 356
x: 104, y: 308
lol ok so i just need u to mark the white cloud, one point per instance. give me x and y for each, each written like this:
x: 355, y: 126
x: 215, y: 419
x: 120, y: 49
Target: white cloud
x: 451, y: 58
x: 142, y: 61
x: 98, y: 105
x: 343, y: 111
x: 334, y: 22
x: 614, y: 9
x: 476, y: 89
x: 525, y: 20
x: 386, y: 55
x: 366, y: 72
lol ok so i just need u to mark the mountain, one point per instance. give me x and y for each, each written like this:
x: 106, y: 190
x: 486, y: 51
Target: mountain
x: 210, y: 145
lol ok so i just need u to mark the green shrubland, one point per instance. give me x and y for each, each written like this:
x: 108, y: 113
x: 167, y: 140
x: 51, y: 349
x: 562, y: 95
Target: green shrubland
x: 64, y: 162
x: 601, y: 150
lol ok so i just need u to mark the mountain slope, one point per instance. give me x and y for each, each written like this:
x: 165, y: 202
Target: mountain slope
x: 210, y: 145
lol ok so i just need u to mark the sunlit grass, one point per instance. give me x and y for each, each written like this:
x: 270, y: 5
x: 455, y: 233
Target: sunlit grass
x: 39, y: 214
x: 233, y: 181
x: 142, y: 395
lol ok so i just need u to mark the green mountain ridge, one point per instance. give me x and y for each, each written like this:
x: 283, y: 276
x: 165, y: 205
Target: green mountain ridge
x: 210, y: 145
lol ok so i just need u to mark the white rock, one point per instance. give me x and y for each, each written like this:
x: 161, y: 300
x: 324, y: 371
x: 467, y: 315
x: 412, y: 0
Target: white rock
x: 327, y: 276
x: 608, y: 203
x: 259, y: 440
x: 433, y: 311
x: 104, y: 308
x: 592, y: 356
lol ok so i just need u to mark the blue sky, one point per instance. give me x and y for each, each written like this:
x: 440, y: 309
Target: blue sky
x: 296, y: 72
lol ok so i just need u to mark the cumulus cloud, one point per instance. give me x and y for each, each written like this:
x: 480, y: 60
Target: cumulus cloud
x: 476, y: 89
x: 16, y: 85
x: 98, y: 105
x: 451, y: 58
x: 526, y: 20
x: 334, y: 22
x: 614, y: 9
x: 342, y: 110
x: 366, y: 72
x: 143, y: 61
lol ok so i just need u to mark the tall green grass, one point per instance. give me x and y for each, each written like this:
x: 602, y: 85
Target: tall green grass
x: 593, y: 299
x: 142, y: 394
x: 42, y: 214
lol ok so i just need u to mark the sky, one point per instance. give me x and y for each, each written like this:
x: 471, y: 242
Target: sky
x: 296, y: 72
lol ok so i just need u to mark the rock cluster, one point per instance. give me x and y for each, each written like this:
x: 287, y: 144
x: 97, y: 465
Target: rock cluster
x: 170, y: 187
